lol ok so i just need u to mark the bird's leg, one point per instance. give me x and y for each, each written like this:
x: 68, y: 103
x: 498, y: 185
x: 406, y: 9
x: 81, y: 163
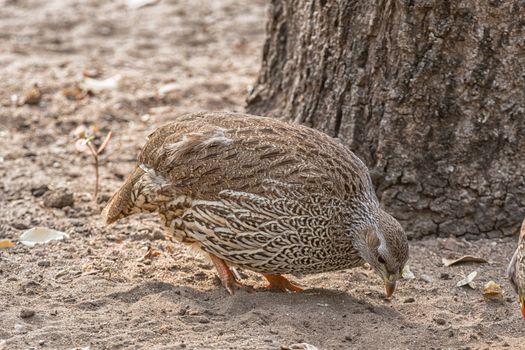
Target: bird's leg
x: 281, y: 284
x: 227, y: 278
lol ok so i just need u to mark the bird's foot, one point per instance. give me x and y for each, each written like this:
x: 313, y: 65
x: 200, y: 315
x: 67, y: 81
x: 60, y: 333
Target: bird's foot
x: 226, y: 276
x: 281, y: 284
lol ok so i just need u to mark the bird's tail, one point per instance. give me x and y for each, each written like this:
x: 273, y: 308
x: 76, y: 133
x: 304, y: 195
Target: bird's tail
x: 120, y: 204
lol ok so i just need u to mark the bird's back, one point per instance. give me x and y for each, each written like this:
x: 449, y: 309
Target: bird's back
x: 203, y: 154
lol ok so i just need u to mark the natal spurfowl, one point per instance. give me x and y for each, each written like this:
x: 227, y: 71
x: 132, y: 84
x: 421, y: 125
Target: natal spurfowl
x: 261, y: 194
x: 516, y: 270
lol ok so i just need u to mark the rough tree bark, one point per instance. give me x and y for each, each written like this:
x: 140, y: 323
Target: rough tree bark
x: 430, y: 94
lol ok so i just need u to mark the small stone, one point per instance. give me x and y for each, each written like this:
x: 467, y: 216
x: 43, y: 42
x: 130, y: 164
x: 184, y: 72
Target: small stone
x: 39, y: 191
x: 426, y: 278
x: 103, y: 198
x: 19, y: 226
x: 348, y: 338
x: 44, y: 263
x: 181, y: 311
x: 440, y: 321
x: 444, y: 276
x: 200, y: 276
x: 203, y: 320
x: 19, y: 328
x: 409, y: 300
x: 27, y: 313
x: 41, y: 342
x: 59, y: 198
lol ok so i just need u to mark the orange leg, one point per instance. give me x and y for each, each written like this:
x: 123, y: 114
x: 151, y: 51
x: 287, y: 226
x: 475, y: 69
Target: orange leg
x: 227, y: 278
x: 281, y: 284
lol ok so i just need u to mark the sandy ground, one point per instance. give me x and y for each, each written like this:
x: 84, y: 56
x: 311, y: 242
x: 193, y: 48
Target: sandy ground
x: 96, y: 289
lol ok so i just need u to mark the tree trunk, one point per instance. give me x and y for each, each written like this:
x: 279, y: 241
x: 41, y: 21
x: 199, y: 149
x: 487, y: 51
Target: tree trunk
x: 429, y: 94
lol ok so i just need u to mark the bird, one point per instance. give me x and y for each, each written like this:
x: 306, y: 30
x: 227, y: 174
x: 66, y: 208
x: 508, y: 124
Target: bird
x: 516, y: 270
x: 264, y: 195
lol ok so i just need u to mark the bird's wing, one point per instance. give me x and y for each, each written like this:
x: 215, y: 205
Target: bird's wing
x: 270, y: 234
x: 203, y: 154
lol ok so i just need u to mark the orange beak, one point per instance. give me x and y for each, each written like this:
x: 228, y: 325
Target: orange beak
x: 390, y: 287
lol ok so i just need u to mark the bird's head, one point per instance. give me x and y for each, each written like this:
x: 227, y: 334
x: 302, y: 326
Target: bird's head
x: 385, y: 248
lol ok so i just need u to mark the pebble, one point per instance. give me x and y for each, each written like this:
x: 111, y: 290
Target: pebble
x: 59, y: 198
x: 39, y: 191
x: 103, y: 198
x: 27, y: 313
x: 440, y: 321
x: 444, y: 276
x: 181, y: 311
x: 426, y: 278
x: 409, y: 300
x: 193, y: 312
x: 19, y: 328
x: 44, y: 263
x: 203, y: 319
x: 19, y: 226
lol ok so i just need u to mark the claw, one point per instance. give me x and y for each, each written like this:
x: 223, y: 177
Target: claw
x: 281, y: 284
x: 226, y: 276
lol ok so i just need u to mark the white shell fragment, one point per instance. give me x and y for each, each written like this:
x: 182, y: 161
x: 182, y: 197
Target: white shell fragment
x: 95, y: 85
x: 300, y: 346
x: 136, y: 4
x: 41, y: 235
x: 467, y: 281
x: 165, y: 89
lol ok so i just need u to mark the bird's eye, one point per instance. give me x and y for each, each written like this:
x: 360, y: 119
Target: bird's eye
x: 380, y: 259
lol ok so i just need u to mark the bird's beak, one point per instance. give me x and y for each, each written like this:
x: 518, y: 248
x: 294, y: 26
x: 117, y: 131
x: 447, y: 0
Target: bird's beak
x: 390, y: 286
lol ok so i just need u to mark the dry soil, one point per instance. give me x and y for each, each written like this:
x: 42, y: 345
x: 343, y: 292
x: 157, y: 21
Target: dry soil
x: 97, y: 289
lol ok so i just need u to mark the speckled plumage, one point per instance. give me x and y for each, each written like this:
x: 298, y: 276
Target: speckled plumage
x: 262, y: 194
x: 516, y: 270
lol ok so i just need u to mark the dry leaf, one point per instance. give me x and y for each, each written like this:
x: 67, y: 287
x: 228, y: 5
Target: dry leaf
x: 74, y: 92
x: 467, y: 281
x: 407, y: 274
x: 5, y: 243
x: 492, y: 291
x: 33, y: 96
x: 463, y: 259
x: 151, y: 253
x: 41, y: 235
x: 170, y: 249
